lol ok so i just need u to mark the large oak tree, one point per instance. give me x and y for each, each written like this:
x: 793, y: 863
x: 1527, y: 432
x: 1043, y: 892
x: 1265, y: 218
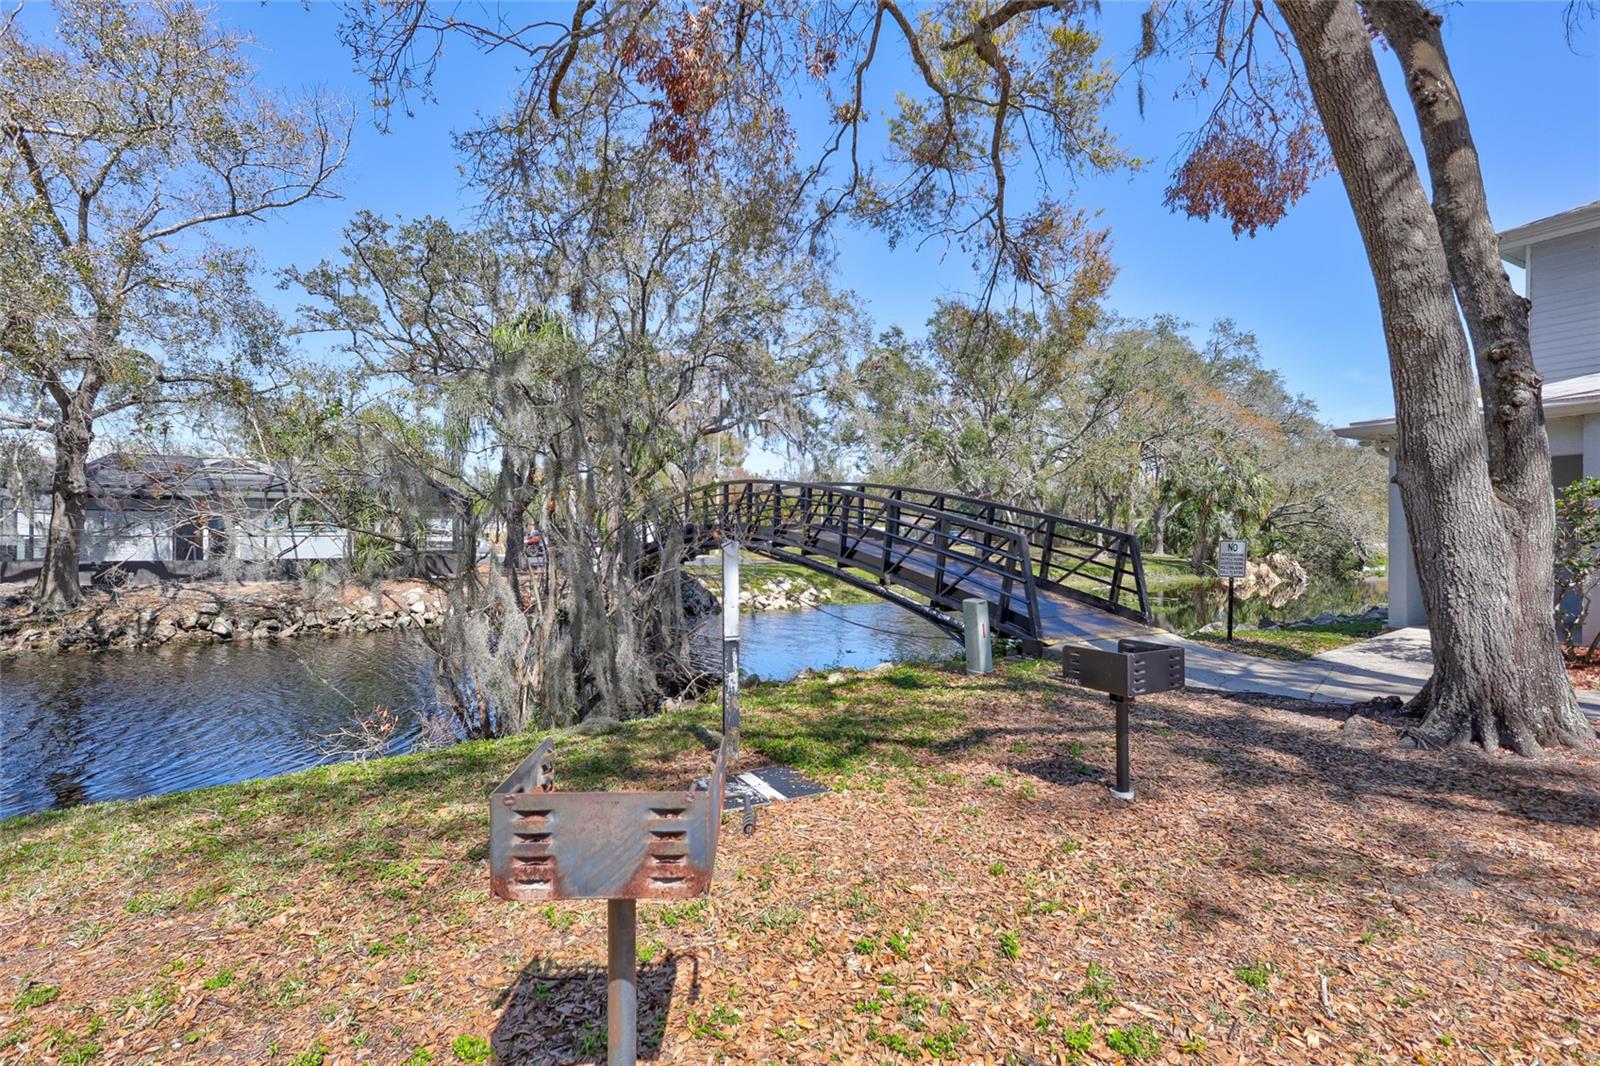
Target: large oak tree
x: 125, y: 150
x: 1472, y: 459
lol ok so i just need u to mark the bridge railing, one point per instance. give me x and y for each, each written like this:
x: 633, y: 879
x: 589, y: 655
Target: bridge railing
x: 944, y: 553
x: 1093, y: 564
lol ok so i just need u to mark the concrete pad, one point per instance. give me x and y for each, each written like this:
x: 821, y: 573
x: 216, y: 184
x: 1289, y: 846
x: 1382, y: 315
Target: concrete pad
x: 1396, y: 663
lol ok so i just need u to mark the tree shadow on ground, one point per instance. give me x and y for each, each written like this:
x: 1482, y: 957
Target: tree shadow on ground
x: 1416, y: 825
x: 556, y: 1013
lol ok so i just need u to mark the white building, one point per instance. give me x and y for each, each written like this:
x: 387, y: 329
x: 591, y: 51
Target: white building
x: 1560, y: 257
x: 178, y: 508
x: 182, y: 515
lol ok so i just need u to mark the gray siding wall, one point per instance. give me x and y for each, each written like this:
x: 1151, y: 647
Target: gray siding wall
x: 1564, y: 279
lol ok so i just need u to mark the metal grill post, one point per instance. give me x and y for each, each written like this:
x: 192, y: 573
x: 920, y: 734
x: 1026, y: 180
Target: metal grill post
x: 1124, y: 789
x: 622, y: 988
x: 730, y: 647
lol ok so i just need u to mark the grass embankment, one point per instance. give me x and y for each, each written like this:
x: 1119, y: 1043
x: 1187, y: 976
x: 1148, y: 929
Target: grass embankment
x: 1171, y: 573
x: 756, y: 575
x: 1293, y: 644
x: 1281, y: 891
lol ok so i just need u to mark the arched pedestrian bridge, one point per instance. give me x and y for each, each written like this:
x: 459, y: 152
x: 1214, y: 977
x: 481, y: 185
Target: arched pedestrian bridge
x: 1046, y: 578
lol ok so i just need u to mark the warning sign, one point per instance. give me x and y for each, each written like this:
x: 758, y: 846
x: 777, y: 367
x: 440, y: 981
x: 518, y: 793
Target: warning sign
x: 1233, y: 557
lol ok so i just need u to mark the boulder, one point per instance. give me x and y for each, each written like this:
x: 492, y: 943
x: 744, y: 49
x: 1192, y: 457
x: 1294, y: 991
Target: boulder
x: 1358, y: 729
x: 222, y: 628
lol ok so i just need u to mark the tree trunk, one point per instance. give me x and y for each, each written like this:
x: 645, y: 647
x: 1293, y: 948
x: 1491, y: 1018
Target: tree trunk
x: 57, y: 588
x: 519, y: 495
x: 1159, y: 521
x: 1200, y: 549
x: 1497, y: 322
x: 1494, y: 659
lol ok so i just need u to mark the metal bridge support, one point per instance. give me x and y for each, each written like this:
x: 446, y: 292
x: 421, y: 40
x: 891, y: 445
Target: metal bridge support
x: 980, y: 649
x: 730, y: 648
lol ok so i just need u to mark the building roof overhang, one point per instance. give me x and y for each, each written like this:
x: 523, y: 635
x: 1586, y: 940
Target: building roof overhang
x: 1571, y: 398
x: 1514, y: 242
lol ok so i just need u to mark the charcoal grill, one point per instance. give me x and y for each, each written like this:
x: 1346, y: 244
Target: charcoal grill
x: 617, y: 846
x: 1137, y: 668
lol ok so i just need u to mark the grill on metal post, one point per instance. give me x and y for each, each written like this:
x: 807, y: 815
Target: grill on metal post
x: 619, y: 846
x: 1136, y: 668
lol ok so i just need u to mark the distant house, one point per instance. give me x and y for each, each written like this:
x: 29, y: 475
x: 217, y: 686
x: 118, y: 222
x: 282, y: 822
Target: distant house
x: 1561, y: 259
x: 179, y: 509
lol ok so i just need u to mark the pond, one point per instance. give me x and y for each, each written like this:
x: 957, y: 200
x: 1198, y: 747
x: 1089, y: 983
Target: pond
x: 79, y: 728
x: 1192, y: 608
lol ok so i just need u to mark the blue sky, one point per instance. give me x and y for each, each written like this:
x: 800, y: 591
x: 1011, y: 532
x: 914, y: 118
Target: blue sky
x: 1304, y: 288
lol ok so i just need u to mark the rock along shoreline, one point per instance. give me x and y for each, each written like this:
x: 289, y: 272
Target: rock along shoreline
x: 219, y: 613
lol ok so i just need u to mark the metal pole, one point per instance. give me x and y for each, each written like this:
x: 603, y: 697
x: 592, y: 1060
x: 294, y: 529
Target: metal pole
x: 730, y: 648
x: 1124, y: 789
x: 1230, y: 610
x: 622, y: 988
x: 975, y: 627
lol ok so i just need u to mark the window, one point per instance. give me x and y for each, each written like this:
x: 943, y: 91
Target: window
x: 1565, y: 469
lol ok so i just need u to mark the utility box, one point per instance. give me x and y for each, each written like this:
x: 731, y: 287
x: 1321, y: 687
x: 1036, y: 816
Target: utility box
x: 980, y: 648
x: 1136, y: 668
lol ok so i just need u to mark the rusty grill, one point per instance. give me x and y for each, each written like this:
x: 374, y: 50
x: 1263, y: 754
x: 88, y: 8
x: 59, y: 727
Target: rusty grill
x: 546, y: 845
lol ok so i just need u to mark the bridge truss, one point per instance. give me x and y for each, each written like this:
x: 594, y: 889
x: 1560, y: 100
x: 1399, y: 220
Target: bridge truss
x: 941, y: 546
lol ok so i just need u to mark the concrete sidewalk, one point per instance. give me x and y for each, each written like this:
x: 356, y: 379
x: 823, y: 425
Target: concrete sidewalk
x: 1391, y: 664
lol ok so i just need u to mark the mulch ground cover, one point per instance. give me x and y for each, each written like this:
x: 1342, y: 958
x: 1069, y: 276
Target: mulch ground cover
x: 1584, y: 670
x: 1287, y: 887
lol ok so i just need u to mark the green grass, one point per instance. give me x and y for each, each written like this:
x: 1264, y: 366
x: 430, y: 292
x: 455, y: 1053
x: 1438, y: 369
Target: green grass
x: 1293, y: 644
x: 1256, y: 975
x: 471, y: 1049
x: 36, y: 996
x: 1171, y: 573
x: 344, y: 822
x: 757, y: 572
x: 1134, y: 1041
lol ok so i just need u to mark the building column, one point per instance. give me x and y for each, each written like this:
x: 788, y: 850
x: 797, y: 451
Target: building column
x: 1591, y: 468
x: 1405, y: 593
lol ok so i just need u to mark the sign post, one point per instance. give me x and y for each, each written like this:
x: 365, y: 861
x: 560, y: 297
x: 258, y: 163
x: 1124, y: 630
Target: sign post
x: 730, y: 647
x: 1233, y: 558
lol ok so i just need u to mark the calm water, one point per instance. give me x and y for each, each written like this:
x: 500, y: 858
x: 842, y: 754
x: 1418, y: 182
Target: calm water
x: 1192, y: 609
x: 118, y: 724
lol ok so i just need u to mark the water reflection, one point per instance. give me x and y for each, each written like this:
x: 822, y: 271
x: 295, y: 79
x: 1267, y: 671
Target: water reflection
x: 1192, y: 608
x: 111, y: 725
x: 118, y: 724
